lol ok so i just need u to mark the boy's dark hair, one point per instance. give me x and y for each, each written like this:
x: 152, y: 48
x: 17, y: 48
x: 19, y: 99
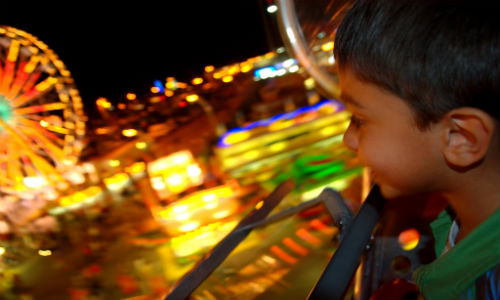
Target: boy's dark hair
x: 437, y: 55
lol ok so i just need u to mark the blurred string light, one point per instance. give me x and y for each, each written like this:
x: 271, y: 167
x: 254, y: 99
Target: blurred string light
x: 158, y: 87
x: 44, y: 252
x: 288, y: 66
x: 197, y: 81
x: 272, y: 8
x: 129, y: 132
x: 209, y: 69
x: 192, y: 98
x: 131, y: 96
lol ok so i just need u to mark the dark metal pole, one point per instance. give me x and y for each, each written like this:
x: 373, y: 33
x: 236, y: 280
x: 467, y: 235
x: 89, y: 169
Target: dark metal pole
x: 337, y: 275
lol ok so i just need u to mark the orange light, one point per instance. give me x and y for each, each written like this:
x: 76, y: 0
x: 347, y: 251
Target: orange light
x: 307, y: 236
x: 209, y: 69
x: 295, y: 246
x: 408, y: 239
x: 283, y: 255
x: 131, y: 96
x: 197, y: 81
x: 103, y: 102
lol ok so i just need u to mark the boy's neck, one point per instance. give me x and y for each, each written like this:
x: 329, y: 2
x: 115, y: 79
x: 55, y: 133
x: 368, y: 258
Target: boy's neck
x: 475, y: 196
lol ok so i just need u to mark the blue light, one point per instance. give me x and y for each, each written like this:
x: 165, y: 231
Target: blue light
x: 157, y: 83
x: 265, y: 72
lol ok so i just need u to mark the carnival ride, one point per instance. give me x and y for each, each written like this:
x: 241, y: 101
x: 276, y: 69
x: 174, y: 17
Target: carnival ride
x: 41, y: 115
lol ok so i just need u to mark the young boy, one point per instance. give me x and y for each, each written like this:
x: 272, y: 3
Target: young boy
x: 422, y: 80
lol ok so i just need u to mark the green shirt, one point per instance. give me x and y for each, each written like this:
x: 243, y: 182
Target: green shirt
x: 455, y: 272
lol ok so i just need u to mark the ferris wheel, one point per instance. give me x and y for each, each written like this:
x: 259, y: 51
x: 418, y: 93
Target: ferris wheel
x: 41, y: 114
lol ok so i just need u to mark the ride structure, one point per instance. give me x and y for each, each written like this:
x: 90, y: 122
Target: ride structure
x: 42, y: 122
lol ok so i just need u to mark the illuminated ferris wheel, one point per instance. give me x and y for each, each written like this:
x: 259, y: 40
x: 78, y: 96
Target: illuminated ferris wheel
x: 41, y: 114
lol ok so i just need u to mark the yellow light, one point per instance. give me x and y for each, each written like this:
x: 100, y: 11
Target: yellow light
x: 175, y: 180
x: 44, y: 123
x: 209, y: 197
x: 279, y: 146
x: 131, y: 96
x: 197, y: 80
x: 141, y: 145
x: 246, y: 68
x: 193, y: 170
x: 259, y: 205
x: 114, y: 163
x: 309, y: 83
x: 218, y: 75
x: 2, y: 251
x: 236, y: 137
x: 211, y: 205
x: 233, y: 70
x: 189, y: 227
x: 182, y: 217
x: 192, y: 98
x: 328, y: 130
x: 103, y: 102
x: 13, y: 50
x: 209, y: 69
x: 221, y: 214
x: 129, y: 132
x: 252, y: 154
x: 327, y: 46
x: 42, y: 86
x: 171, y: 85
x: 117, y: 181
x: 182, y: 157
x: 44, y: 252
x: 180, y: 208
x: 137, y: 167
x: 281, y: 124
x: 227, y: 78
x: 158, y: 185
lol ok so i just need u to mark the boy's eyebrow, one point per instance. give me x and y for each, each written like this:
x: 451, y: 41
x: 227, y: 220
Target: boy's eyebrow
x: 348, y: 99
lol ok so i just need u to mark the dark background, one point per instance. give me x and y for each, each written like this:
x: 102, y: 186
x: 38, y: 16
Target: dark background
x: 114, y: 48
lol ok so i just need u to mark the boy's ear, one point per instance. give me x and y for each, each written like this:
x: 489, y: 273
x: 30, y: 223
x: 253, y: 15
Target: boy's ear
x: 467, y: 136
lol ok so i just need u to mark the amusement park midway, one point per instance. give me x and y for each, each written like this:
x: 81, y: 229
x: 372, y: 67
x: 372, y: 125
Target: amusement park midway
x: 134, y: 138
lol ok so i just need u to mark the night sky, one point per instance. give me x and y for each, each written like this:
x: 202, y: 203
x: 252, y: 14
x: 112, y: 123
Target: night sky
x: 114, y: 50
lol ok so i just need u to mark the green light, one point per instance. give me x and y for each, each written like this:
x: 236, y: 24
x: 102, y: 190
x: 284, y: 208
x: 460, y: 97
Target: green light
x: 5, y: 109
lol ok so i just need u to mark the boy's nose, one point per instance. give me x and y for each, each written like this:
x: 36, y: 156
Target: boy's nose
x: 350, y: 139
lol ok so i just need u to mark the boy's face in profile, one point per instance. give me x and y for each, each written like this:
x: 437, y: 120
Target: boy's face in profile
x: 403, y: 160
